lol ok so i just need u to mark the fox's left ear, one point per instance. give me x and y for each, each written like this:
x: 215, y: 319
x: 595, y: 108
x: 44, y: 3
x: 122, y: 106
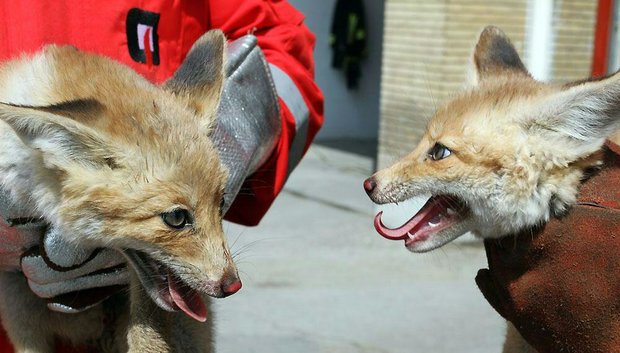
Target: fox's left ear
x: 583, y: 113
x: 59, y: 138
x: 200, y: 77
x: 39, y: 145
x: 494, y: 55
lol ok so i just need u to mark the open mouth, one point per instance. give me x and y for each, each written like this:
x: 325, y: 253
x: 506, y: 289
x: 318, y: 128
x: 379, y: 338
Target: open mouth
x: 438, y: 216
x: 167, y: 289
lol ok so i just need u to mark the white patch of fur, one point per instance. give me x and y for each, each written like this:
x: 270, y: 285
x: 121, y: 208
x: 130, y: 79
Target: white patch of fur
x: 471, y: 74
x: 528, y: 194
x: 23, y: 171
x: 28, y: 81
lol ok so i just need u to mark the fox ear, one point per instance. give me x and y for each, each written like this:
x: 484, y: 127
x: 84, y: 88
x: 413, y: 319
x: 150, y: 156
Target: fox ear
x: 60, y: 140
x: 584, y: 112
x: 36, y: 149
x: 200, y: 77
x: 494, y: 55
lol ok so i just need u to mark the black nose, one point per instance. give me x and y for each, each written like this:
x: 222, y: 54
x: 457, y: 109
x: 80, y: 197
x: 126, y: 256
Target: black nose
x: 370, y: 185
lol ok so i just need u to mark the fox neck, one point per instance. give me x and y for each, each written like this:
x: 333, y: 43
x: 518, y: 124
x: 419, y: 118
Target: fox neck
x: 552, y: 190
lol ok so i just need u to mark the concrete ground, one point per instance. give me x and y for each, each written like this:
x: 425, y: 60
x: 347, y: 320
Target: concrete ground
x: 317, y: 278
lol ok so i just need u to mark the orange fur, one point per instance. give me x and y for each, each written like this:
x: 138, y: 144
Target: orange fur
x: 504, y: 155
x: 109, y: 154
x: 518, y: 147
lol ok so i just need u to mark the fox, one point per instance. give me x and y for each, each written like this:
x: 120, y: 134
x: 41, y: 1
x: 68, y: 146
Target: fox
x: 112, y: 160
x: 505, y: 154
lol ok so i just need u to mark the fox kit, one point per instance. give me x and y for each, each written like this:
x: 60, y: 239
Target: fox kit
x: 115, y: 161
x: 506, y: 154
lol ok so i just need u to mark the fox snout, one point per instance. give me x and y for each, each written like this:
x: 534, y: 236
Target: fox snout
x: 393, y: 184
x: 375, y: 192
x: 223, y: 286
x: 217, y: 276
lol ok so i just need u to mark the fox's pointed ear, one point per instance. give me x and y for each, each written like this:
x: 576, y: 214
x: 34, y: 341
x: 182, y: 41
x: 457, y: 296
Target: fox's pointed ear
x: 200, y: 77
x: 494, y: 55
x: 583, y: 114
x: 59, y: 139
x: 37, y: 148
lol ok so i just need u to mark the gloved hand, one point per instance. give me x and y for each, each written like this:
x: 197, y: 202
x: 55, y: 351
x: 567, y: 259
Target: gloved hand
x: 560, y: 285
x: 56, y: 270
x: 70, y: 278
x: 73, y: 279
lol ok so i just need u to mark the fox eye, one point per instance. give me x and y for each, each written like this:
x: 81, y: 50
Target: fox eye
x: 439, y: 152
x: 178, y: 218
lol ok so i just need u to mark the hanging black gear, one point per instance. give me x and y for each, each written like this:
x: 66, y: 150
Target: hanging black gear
x: 348, y: 39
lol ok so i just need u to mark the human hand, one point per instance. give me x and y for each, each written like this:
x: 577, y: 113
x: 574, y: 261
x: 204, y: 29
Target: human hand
x: 248, y: 123
x: 69, y: 278
x: 559, y: 285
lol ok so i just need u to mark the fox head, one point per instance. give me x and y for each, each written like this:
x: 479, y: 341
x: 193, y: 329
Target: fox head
x: 506, y: 154
x: 119, y: 162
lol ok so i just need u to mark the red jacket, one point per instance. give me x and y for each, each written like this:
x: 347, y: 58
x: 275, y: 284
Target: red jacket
x: 119, y: 29
x: 111, y: 27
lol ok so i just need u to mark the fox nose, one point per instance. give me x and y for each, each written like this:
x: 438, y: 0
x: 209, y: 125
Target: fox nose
x: 369, y: 185
x: 231, y: 284
x: 232, y: 288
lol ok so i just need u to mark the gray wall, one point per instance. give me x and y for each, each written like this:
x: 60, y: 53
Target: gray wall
x: 348, y: 114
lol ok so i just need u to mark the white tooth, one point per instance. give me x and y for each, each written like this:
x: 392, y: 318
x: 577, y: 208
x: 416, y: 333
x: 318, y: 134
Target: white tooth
x: 433, y: 224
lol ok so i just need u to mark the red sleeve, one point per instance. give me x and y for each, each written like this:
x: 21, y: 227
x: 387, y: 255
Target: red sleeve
x: 288, y: 44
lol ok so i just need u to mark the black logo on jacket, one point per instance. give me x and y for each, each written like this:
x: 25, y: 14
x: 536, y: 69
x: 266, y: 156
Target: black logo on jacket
x: 142, y: 39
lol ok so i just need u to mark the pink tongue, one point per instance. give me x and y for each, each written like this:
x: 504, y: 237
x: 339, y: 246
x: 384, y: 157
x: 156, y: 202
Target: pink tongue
x: 434, y: 212
x: 431, y: 210
x: 187, y: 299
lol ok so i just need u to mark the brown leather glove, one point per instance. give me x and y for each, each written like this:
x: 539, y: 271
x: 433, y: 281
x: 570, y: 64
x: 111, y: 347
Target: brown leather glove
x: 560, y: 285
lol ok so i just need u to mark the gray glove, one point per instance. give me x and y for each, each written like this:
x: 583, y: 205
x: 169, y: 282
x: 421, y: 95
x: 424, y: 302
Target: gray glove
x: 248, y: 125
x: 74, y: 279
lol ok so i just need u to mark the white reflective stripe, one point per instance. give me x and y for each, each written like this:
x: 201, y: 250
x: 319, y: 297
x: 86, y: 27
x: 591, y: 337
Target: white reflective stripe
x: 294, y: 101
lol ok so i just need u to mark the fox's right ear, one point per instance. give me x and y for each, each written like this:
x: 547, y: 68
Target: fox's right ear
x: 494, y: 55
x: 200, y: 78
